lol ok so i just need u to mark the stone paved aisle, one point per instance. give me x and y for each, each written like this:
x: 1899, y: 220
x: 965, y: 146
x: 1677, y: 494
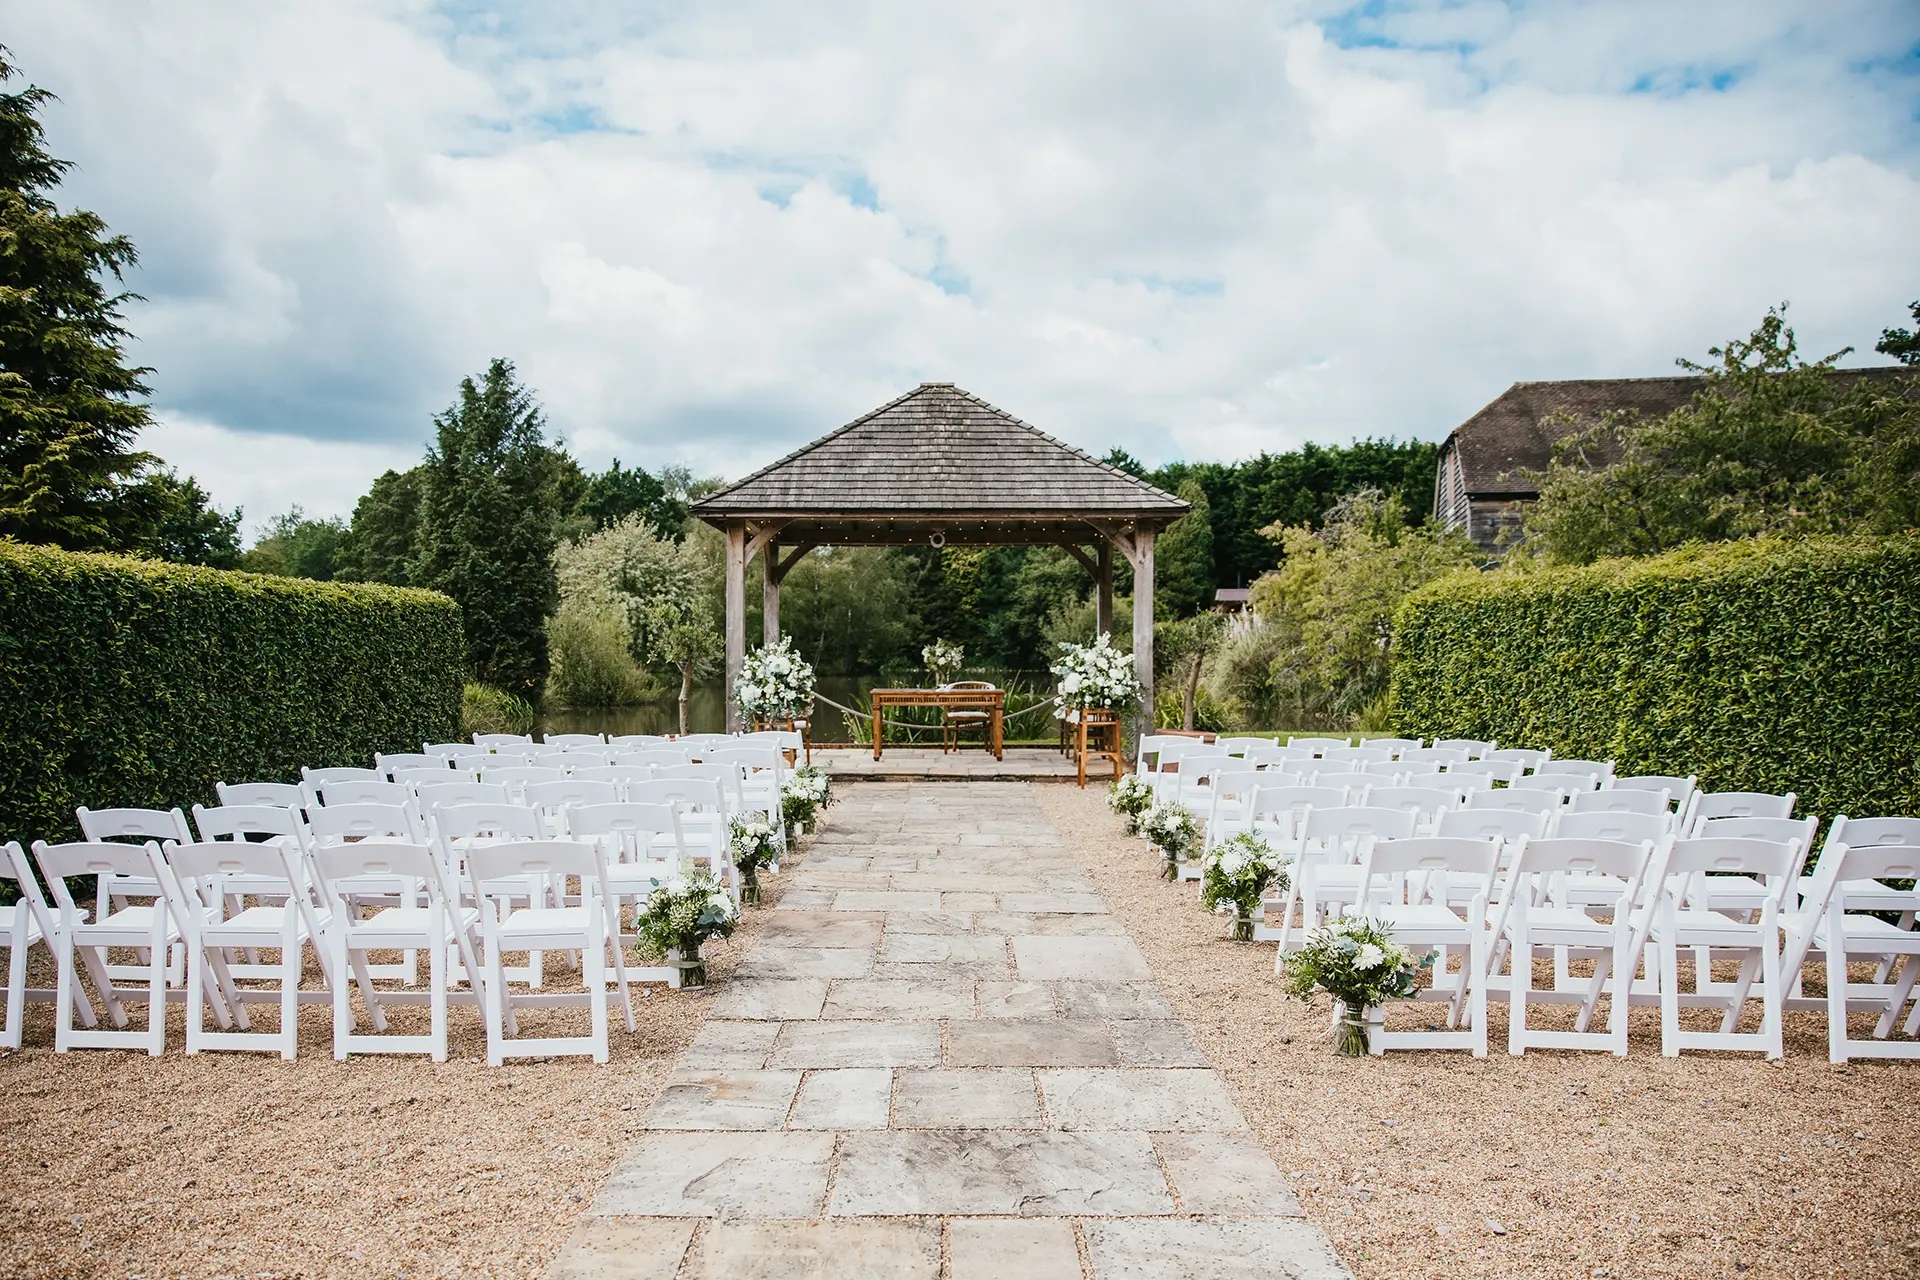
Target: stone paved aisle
x: 944, y: 1059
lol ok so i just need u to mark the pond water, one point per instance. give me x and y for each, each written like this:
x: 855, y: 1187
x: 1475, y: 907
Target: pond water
x: 707, y: 712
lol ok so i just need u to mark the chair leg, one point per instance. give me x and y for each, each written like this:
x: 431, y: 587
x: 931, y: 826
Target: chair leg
x: 1520, y: 957
x: 64, y: 990
x: 16, y: 988
x: 290, y: 954
x: 1836, y: 1002
x: 1770, y: 998
x: 1902, y: 990
x: 1669, y: 999
x: 437, y: 996
x: 341, y: 1012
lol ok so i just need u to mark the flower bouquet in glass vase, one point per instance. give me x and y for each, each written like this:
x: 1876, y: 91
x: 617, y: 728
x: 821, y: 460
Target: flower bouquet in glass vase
x: 805, y: 793
x: 1173, y: 829
x: 678, y: 917
x: 1238, y: 873
x: 943, y: 661
x: 774, y: 684
x: 1358, y: 963
x: 1095, y: 675
x: 752, y: 843
x: 1130, y: 796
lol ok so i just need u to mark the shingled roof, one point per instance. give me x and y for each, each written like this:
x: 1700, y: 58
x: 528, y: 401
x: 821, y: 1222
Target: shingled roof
x: 1503, y: 441
x: 938, y: 452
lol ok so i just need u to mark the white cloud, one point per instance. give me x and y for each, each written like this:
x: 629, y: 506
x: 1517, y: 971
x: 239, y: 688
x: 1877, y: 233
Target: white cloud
x: 1200, y: 231
x: 268, y: 474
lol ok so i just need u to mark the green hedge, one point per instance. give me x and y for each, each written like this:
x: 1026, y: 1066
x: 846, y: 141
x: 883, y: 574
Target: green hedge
x: 1761, y: 665
x: 134, y: 682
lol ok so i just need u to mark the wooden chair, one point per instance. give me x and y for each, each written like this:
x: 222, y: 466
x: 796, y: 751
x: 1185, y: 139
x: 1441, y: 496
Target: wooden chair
x: 956, y: 721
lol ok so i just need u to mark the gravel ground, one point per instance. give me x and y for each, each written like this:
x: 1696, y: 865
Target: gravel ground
x: 1708, y: 1165
x: 239, y: 1164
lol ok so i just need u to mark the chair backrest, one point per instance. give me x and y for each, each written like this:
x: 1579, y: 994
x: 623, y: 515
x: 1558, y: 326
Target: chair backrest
x: 1237, y: 783
x: 563, y: 760
x: 1489, y: 771
x: 1776, y: 862
x: 335, y: 824
x: 1598, y: 768
x: 281, y: 795
x: 502, y: 739
x: 492, y: 864
x: 1612, y: 824
x: 568, y: 741
x: 1423, y: 802
x: 551, y: 797
x: 1381, y: 769
x: 1624, y: 859
x: 513, y: 776
x: 1394, y: 745
x: 1874, y: 833
x: 207, y: 860
x: 1560, y: 784
x: 1402, y: 856
x: 1344, y: 778
x: 1841, y: 864
x: 99, y: 825
x: 237, y: 822
x: 335, y: 866
x: 443, y: 794
x: 723, y: 776
x: 619, y: 775
x: 15, y: 867
x: 1742, y: 804
x: 321, y: 777
x: 628, y: 832
x: 357, y: 791
x: 1491, y: 824
x: 1319, y: 746
x: 446, y: 750
x: 93, y: 858
x: 1348, y: 822
x: 1203, y: 761
x: 654, y: 757
x: 1614, y: 801
x: 1525, y: 757
x: 701, y: 794
x: 433, y: 777
x: 1779, y: 830
x: 752, y: 756
x: 1472, y: 746
x: 498, y: 821
x: 1357, y: 755
x: 1432, y: 755
x: 636, y: 740
x: 1680, y: 790
x: 1517, y: 799
x: 1150, y: 744
x: 408, y: 760
x: 1241, y: 745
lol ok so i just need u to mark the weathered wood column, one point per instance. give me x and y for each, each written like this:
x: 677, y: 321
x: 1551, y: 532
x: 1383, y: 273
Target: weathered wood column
x: 736, y: 619
x: 1103, y: 590
x: 1142, y: 561
x: 770, y: 576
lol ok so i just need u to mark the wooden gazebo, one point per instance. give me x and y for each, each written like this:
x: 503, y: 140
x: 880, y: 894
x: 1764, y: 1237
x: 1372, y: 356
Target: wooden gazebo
x: 939, y: 467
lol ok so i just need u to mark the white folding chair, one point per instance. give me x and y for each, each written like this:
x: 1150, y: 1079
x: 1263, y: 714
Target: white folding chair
x: 1348, y: 778
x: 445, y: 750
x: 1680, y: 791
x: 343, y: 873
x: 1229, y: 810
x: 1527, y: 758
x: 340, y: 824
x: 492, y: 740
x: 275, y: 795
x: 1403, y: 886
x: 642, y: 846
x: 1535, y: 912
x: 1474, y: 748
x: 1433, y: 756
x: 1164, y: 778
x: 1277, y: 806
x: 112, y: 892
x: 568, y: 741
x: 1426, y: 804
x: 456, y: 830
x: 387, y: 764
x: 1319, y: 746
x: 703, y: 814
x: 1621, y: 801
x: 445, y: 795
x: 1756, y: 943
x: 549, y: 798
x: 655, y: 757
x: 515, y: 777
x: 1241, y: 745
x: 1834, y: 925
x: 1505, y: 825
x: 1483, y: 773
x: 1709, y: 805
x: 1600, y: 770
x: 1199, y: 765
x: 356, y: 791
x: 500, y: 874
x: 1395, y: 746
x: 725, y: 778
x: 321, y: 777
x: 630, y: 741
x: 1357, y: 755
x: 1870, y: 894
x: 444, y: 776
x: 1325, y: 870
x: 28, y: 921
x: 1517, y: 799
x: 146, y: 926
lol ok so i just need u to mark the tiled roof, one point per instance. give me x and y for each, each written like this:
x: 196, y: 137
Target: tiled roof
x: 1505, y: 439
x: 939, y: 450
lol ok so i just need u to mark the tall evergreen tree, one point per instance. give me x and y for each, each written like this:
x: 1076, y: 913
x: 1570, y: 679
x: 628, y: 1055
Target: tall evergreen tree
x: 382, y: 540
x: 488, y: 524
x: 1183, y: 562
x: 70, y: 405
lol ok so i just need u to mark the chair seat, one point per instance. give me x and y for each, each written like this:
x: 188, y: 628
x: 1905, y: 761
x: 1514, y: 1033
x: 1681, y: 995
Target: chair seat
x: 1704, y: 928
x: 543, y: 921
x: 137, y: 919
x: 1869, y: 931
x: 1869, y: 895
x: 967, y: 715
x: 1559, y: 922
x: 256, y: 926
x: 416, y: 921
x: 1418, y: 918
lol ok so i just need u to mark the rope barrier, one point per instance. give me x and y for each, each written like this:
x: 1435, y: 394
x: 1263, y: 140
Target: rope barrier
x: 898, y: 724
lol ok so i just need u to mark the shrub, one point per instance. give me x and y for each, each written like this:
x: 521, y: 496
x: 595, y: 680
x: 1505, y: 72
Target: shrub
x: 588, y: 643
x: 140, y: 683
x: 485, y: 709
x: 1759, y: 665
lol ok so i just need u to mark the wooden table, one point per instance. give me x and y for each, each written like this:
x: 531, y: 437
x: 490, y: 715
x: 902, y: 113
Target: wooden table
x: 991, y: 701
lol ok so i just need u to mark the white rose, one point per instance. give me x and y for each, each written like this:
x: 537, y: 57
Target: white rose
x: 1369, y: 957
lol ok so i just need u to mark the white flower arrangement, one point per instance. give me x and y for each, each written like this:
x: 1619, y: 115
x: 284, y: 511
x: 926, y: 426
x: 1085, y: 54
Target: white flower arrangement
x: 750, y: 840
x: 803, y: 795
x: 1130, y: 797
x: 1357, y: 962
x: 943, y: 660
x: 1095, y: 675
x: 775, y: 683
x: 1238, y: 873
x: 1173, y: 829
x: 680, y: 914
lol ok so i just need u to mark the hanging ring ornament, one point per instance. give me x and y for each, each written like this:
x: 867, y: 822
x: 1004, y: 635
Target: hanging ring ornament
x: 936, y: 539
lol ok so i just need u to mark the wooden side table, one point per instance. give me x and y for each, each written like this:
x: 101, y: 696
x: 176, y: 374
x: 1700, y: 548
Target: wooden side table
x: 1098, y: 735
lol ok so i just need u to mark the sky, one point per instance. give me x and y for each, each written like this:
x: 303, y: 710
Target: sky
x: 707, y: 233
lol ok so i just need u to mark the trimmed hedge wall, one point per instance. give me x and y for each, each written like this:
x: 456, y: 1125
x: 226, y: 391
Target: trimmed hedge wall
x: 135, y: 682
x: 1759, y: 665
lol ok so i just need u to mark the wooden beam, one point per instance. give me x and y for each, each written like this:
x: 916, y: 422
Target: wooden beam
x: 1143, y: 629
x: 1103, y: 591
x: 1086, y: 561
x: 762, y: 537
x: 736, y: 615
x: 770, y: 595
x: 782, y: 566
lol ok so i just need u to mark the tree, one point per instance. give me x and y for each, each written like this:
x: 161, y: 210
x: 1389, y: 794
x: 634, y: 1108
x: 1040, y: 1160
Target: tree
x: 383, y: 538
x: 295, y: 546
x: 180, y: 522
x: 619, y: 492
x: 1182, y: 648
x: 70, y: 406
x: 1771, y: 444
x: 488, y: 525
x: 1902, y: 344
x: 1183, y: 560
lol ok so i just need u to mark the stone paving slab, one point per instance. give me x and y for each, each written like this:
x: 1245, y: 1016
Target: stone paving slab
x: 945, y: 1059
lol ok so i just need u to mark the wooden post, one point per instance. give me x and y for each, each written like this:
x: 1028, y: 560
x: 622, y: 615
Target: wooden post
x: 1103, y: 590
x: 1143, y: 627
x: 736, y: 622
x: 770, y: 576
